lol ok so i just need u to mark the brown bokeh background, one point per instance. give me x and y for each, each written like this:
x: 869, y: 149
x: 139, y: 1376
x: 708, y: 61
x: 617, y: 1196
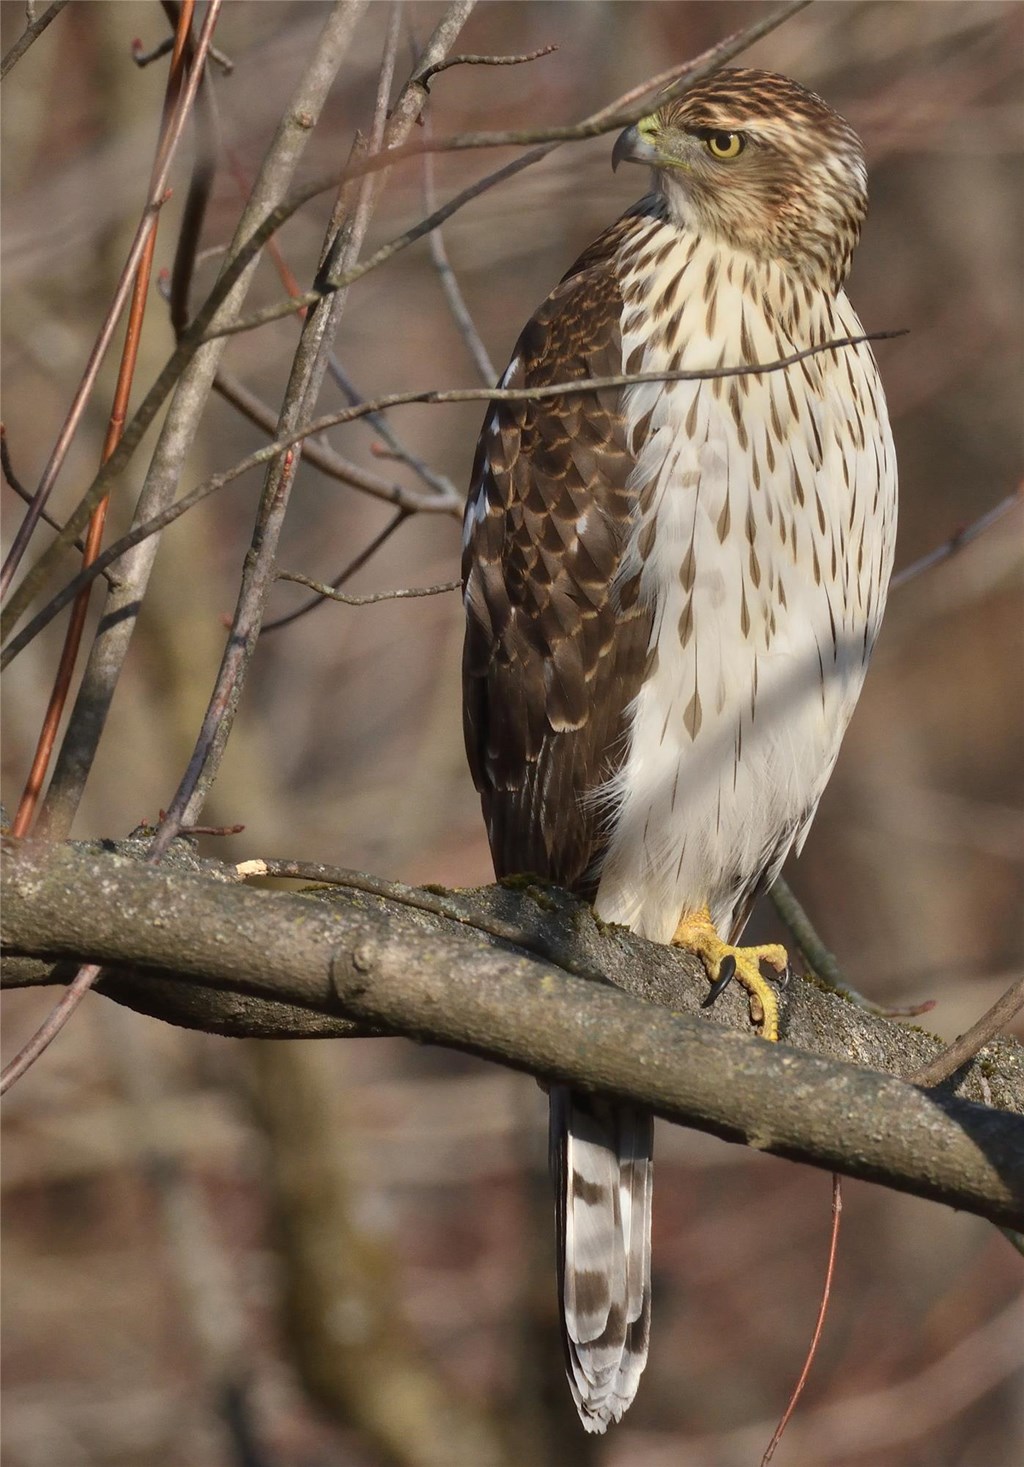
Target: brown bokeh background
x: 343, y: 1249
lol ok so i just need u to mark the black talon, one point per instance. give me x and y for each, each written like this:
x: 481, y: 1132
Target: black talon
x: 726, y: 973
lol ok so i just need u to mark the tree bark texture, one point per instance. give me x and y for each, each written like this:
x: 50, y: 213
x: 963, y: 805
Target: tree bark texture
x: 556, y: 994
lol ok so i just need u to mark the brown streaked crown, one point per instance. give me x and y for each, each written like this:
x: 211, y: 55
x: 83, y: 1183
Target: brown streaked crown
x: 797, y: 189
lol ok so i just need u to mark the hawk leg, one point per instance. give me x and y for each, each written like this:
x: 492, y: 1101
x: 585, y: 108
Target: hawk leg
x: 697, y: 934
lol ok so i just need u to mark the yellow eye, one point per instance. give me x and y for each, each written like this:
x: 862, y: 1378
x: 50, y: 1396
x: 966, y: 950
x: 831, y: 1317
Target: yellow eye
x: 725, y: 145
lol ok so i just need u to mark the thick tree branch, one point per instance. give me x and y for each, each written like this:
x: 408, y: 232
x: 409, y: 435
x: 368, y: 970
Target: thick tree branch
x: 227, y: 958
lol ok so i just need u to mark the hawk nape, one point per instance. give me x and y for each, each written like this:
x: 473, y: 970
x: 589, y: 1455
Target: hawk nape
x: 672, y: 592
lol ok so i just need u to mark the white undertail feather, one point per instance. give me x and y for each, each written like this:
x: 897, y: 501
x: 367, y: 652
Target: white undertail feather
x: 602, y: 1162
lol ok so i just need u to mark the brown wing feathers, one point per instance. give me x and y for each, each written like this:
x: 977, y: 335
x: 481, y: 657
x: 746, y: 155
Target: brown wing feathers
x: 552, y: 660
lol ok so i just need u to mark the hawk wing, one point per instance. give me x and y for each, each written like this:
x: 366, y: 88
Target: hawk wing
x: 556, y: 643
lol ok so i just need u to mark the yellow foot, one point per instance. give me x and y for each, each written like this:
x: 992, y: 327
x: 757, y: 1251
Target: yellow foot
x: 697, y: 933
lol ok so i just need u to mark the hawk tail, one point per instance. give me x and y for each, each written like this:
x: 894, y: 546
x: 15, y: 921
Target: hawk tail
x: 601, y: 1161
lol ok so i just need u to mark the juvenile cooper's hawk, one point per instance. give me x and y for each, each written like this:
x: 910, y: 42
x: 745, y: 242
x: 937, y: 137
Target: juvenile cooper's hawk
x: 672, y: 593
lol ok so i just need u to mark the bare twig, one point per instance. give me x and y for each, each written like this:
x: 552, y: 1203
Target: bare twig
x: 438, y: 482
x: 427, y: 75
x: 355, y: 564
x: 321, y: 455
x: 824, y: 964
x: 25, y: 495
x: 967, y: 1045
x: 200, y: 185
x: 30, y: 34
x: 798, y: 1389
x: 386, y: 252
x: 396, y: 399
x: 143, y: 58
x: 450, y: 285
x: 8, y: 467
x: 53, y: 1024
x: 958, y: 540
x: 325, y: 458
x: 329, y: 593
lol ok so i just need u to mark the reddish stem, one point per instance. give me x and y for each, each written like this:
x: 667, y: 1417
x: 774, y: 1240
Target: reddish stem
x: 115, y: 427
x: 837, y: 1210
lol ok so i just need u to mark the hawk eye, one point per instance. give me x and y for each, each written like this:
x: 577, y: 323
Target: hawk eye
x: 725, y: 145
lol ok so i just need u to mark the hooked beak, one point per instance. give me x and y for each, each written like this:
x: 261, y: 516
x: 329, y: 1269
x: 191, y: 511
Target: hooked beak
x: 632, y: 146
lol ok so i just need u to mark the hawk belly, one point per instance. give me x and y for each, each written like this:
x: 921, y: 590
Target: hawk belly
x: 763, y: 537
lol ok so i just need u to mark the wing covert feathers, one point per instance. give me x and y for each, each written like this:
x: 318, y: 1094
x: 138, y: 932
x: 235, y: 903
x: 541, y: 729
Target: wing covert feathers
x: 556, y: 643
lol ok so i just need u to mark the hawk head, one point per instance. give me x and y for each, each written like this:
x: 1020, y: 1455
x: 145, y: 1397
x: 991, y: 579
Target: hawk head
x: 762, y: 163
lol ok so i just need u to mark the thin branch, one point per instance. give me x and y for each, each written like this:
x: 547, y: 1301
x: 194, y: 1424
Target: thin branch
x: 25, y: 495
x: 826, y: 1292
x: 579, y: 385
x: 354, y: 565
x: 958, y: 540
x: 966, y: 1046
x: 823, y: 963
x: 200, y: 185
x: 330, y: 594
x: 450, y: 285
x: 398, y: 399
x: 344, y: 236
x: 440, y: 483
x: 427, y: 75
x: 29, y: 35
x: 325, y: 458
x: 162, y: 48
x: 51, y: 1027
x: 8, y: 467
x: 322, y: 456
x: 285, y: 274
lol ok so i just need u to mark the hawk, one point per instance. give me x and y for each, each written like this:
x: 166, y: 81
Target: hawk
x: 672, y: 592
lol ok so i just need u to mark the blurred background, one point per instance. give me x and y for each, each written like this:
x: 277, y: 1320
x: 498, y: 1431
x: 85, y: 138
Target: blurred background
x: 340, y: 1253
